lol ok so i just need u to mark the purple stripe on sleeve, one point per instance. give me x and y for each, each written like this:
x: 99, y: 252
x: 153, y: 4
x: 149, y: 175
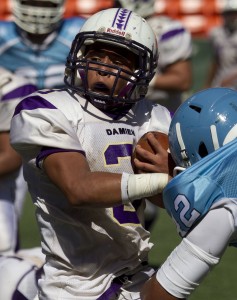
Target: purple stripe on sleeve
x: 20, y: 92
x: 33, y: 102
x: 171, y: 33
x: 46, y: 151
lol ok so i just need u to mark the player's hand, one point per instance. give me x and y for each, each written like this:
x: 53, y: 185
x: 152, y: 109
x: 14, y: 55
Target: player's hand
x: 155, y: 161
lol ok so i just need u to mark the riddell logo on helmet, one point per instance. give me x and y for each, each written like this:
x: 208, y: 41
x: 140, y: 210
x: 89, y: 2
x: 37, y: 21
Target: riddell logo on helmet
x: 116, y: 31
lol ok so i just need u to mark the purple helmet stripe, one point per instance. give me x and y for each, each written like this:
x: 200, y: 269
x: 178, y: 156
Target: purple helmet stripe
x: 121, y: 19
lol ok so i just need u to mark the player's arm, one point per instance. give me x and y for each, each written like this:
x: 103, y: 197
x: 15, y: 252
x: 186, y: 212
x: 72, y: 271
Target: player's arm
x: 175, y: 77
x: 230, y: 80
x: 154, y: 291
x: 10, y: 160
x: 193, y: 258
x: 71, y: 173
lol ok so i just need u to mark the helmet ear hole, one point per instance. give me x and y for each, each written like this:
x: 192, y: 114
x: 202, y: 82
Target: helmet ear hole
x: 202, y: 151
x: 196, y: 108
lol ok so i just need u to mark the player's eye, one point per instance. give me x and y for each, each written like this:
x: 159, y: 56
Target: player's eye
x: 94, y: 58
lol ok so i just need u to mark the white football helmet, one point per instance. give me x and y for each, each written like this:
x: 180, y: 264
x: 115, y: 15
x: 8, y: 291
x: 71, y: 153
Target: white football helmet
x: 121, y: 28
x: 144, y: 8
x: 38, y: 17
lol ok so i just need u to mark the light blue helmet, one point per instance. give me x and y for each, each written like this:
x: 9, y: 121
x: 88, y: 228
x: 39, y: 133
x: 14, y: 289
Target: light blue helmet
x: 202, y: 124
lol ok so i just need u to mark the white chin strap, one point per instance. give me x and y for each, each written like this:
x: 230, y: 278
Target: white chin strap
x: 183, y: 151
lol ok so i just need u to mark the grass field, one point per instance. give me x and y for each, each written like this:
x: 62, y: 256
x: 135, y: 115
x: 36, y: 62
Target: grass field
x: 220, y: 284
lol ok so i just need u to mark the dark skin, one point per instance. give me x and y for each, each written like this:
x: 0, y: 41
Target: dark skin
x: 176, y: 77
x: 152, y: 290
x: 10, y: 160
x: 71, y: 173
x: 155, y: 163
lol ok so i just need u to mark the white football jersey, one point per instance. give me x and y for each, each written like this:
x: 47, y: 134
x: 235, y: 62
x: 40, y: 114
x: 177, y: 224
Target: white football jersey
x: 12, y: 186
x: 224, y: 45
x: 95, y: 243
x: 174, y: 44
x: 12, y: 89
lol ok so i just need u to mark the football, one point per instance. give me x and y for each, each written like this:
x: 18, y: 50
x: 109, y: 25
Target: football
x: 164, y: 142
x: 161, y: 137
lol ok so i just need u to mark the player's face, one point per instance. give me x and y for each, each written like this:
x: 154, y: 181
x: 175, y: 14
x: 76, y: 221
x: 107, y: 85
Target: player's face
x: 103, y: 78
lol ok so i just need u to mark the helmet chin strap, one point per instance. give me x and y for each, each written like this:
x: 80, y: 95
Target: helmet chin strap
x: 183, y: 151
x: 214, y: 137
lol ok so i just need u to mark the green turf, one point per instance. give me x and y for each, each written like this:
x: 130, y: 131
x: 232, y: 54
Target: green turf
x: 220, y: 284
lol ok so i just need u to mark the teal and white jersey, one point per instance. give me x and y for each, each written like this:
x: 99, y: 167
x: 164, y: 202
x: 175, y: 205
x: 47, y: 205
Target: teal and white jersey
x: 208, y: 184
x: 43, y: 64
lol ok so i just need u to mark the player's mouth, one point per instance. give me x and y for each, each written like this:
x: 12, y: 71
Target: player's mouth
x: 100, y: 88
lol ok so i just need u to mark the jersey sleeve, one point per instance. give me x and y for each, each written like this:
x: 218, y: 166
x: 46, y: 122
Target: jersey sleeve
x: 160, y: 119
x: 12, y: 89
x: 156, y: 117
x: 174, y: 41
x: 38, y: 124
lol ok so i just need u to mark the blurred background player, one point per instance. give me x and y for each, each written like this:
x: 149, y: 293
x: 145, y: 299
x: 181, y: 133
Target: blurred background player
x: 35, y: 45
x: 12, y: 185
x: 20, y: 273
x: 76, y: 146
x: 174, y: 71
x: 223, y: 42
x: 202, y: 200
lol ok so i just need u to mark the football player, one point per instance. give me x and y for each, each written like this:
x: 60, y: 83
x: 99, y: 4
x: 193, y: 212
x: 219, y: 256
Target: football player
x: 203, y: 197
x: 36, y: 43
x: 174, y: 73
x: 12, y: 184
x: 223, y: 41
x: 34, y: 46
x: 76, y: 144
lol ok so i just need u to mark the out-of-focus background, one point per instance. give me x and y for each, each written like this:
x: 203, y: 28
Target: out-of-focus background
x: 199, y: 16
